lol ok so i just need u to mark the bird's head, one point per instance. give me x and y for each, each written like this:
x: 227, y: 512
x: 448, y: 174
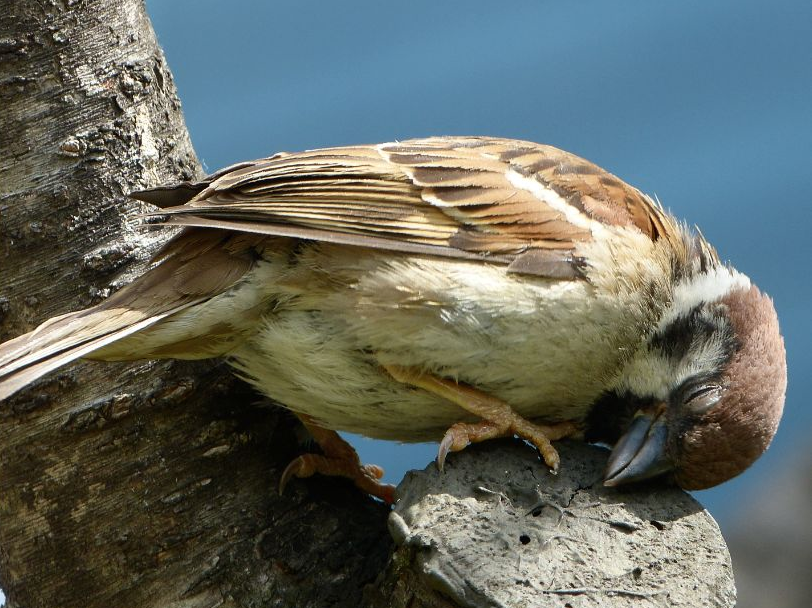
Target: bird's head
x: 707, y: 387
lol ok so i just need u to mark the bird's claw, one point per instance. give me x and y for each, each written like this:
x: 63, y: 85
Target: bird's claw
x: 365, y: 477
x: 460, y: 435
x: 296, y: 468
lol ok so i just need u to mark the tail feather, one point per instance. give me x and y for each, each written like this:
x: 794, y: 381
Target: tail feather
x: 56, y: 335
x: 63, y: 339
x: 194, y: 267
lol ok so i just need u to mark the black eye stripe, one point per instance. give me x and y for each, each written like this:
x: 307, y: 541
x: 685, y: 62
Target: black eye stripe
x: 702, y: 323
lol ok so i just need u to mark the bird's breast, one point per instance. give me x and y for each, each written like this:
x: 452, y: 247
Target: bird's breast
x: 548, y: 348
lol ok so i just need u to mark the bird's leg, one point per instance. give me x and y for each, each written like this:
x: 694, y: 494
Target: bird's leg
x: 339, y: 459
x: 498, y: 419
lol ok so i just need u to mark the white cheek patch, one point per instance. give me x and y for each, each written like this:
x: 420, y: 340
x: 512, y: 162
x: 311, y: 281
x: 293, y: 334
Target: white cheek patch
x: 651, y: 373
x: 648, y: 374
x: 705, y: 358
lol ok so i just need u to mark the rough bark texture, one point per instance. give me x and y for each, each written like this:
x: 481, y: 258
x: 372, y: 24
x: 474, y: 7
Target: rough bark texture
x: 154, y: 484
x: 146, y: 484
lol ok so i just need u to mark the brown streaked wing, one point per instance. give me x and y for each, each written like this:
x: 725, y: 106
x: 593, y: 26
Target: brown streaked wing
x: 481, y: 198
x: 590, y: 189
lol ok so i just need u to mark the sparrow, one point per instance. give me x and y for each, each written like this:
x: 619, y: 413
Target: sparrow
x: 450, y: 289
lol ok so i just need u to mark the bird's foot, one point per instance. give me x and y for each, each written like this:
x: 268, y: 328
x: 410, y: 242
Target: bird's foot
x: 462, y: 434
x: 365, y: 477
x: 498, y: 418
x: 339, y: 460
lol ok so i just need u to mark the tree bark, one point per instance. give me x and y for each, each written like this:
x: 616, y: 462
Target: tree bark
x: 150, y: 484
x: 153, y: 484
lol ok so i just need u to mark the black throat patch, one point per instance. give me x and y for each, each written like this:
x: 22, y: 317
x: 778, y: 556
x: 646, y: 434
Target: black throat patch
x: 610, y: 416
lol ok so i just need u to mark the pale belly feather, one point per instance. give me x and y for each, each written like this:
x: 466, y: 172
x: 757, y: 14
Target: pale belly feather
x: 548, y: 348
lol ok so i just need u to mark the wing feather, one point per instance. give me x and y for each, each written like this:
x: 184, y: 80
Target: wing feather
x: 494, y: 198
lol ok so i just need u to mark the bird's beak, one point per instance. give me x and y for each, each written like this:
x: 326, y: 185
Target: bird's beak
x: 641, y: 453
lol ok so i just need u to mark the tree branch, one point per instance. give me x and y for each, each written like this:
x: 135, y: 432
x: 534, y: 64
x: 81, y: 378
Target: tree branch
x: 150, y: 484
x: 497, y: 530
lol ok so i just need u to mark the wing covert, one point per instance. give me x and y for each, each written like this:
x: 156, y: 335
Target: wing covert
x: 504, y: 201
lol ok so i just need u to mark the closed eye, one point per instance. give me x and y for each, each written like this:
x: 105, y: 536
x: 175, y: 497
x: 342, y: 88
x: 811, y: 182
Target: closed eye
x: 701, y: 398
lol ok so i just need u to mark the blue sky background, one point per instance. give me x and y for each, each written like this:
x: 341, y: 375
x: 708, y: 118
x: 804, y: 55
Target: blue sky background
x: 707, y: 105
